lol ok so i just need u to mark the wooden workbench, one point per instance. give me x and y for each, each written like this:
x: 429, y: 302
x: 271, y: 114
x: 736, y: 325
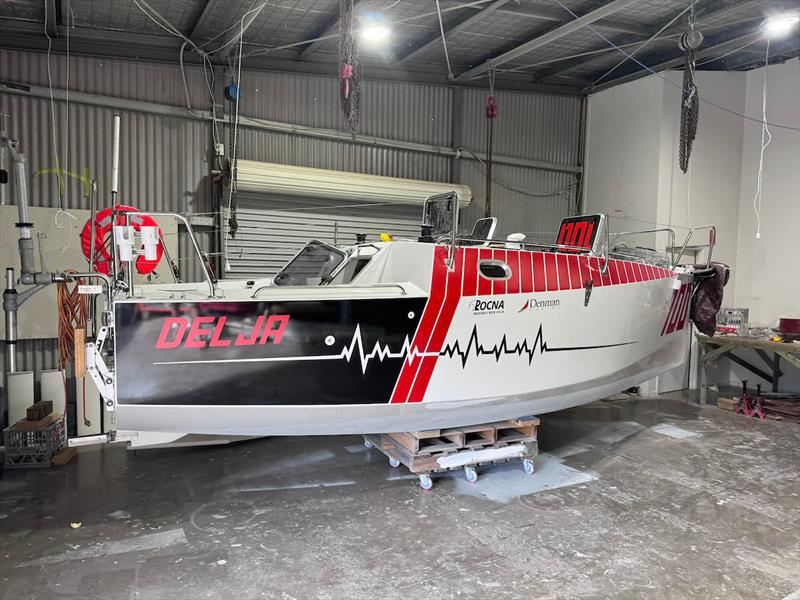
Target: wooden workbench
x: 712, y: 349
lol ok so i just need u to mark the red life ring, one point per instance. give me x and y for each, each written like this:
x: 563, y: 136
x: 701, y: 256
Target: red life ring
x: 102, y: 224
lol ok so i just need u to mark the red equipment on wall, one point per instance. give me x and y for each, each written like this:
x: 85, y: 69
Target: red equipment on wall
x: 103, y: 239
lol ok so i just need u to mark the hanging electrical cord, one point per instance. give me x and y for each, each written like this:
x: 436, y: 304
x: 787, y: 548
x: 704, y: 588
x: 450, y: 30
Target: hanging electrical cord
x: 233, y: 224
x: 766, y: 138
x: 62, y: 212
x: 660, y: 76
x: 444, y: 42
x: 53, y: 133
x: 72, y: 314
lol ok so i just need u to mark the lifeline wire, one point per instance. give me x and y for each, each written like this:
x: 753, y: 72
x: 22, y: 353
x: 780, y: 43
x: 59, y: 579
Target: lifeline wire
x: 764, y: 134
x: 660, y: 76
x: 444, y: 42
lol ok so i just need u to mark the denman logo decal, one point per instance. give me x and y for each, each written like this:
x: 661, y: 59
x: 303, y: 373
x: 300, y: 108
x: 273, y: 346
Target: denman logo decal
x: 202, y: 332
x: 487, y: 307
x: 536, y: 304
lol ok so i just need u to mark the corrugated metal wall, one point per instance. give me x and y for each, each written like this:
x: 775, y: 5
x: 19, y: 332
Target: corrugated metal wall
x: 165, y: 164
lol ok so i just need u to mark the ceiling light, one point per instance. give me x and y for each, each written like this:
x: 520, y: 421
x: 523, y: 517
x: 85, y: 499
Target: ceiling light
x: 376, y: 33
x: 778, y: 26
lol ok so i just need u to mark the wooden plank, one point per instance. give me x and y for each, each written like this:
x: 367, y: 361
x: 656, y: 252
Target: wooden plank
x: 430, y: 433
x: 728, y: 403
x: 406, y: 440
x: 742, y: 341
x: 456, y: 436
x: 509, y: 431
x: 26, y: 425
x: 63, y: 456
x: 80, y: 352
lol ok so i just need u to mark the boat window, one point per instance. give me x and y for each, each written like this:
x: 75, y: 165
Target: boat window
x: 351, y: 269
x: 313, y: 265
x: 494, y: 269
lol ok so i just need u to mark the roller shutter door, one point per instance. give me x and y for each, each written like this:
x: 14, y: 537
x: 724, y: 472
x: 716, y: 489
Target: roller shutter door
x: 271, y: 230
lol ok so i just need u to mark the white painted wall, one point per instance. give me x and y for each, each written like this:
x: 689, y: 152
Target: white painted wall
x: 623, y: 156
x: 632, y: 167
x: 632, y: 172
x: 768, y: 280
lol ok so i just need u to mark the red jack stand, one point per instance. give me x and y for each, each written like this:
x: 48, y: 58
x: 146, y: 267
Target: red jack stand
x: 751, y: 407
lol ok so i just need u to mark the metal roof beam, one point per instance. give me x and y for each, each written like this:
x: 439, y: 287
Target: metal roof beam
x: 163, y: 49
x: 546, y: 38
x: 458, y: 28
x: 704, y: 14
x: 204, y: 19
x: 675, y: 62
x: 557, y: 15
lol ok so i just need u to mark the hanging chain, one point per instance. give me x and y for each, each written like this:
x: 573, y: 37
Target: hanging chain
x: 690, y: 95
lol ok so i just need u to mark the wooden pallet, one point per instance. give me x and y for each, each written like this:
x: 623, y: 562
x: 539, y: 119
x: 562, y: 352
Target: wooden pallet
x: 438, y: 450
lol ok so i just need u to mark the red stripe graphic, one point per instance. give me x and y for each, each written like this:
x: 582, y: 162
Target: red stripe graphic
x: 470, y: 271
x: 440, y: 329
x: 551, y: 272
x: 574, y: 272
x: 612, y: 272
x: 512, y: 258
x: 678, y: 308
x: 563, y: 272
x: 621, y: 272
x: 499, y: 286
x: 583, y: 262
x: 629, y: 272
x: 425, y: 327
x: 538, y: 272
x: 484, y: 285
x: 526, y: 272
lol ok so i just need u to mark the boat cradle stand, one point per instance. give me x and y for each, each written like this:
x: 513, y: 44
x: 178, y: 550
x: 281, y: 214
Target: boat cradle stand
x: 439, y: 450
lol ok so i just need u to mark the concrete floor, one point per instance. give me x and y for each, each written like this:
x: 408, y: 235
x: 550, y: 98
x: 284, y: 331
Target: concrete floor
x: 633, y: 498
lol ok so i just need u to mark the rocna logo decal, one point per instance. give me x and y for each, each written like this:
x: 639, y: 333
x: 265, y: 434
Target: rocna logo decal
x: 537, y: 304
x: 487, y: 307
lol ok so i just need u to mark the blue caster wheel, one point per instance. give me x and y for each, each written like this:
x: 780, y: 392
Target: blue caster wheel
x: 368, y: 444
x: 425, y: 481
x: 527, y: 465
x: 394, y: 463
x: 471, y: 474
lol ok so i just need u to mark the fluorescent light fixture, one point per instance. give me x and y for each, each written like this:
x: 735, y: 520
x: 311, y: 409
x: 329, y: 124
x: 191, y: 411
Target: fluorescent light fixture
x: 376, y: 33
x: 778, y: 26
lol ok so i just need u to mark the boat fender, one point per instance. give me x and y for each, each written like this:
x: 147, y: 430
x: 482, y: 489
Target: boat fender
x: 589, y: 285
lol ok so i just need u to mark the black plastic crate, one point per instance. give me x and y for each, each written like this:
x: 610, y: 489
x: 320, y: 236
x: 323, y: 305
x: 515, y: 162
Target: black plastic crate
x: 33, y: 448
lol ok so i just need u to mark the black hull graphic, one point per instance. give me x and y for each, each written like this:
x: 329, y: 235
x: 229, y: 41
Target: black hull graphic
x: 324, y: 352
